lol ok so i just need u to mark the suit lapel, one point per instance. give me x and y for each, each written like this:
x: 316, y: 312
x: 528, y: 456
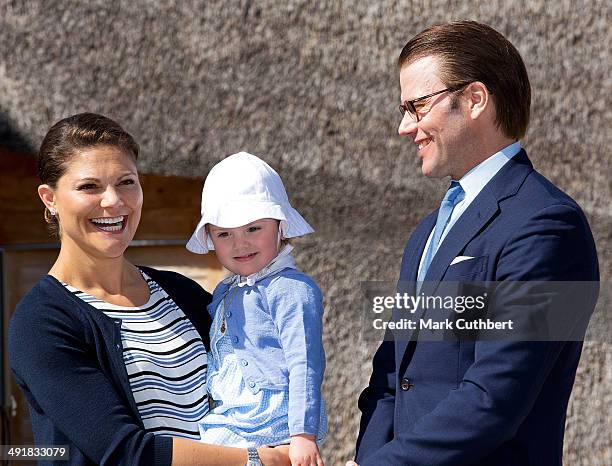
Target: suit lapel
x: 414, y: 249
x: 467, y: 226
x: 409, y: 270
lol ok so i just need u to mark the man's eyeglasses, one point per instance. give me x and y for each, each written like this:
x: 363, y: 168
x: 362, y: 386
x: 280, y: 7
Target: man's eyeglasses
x: 408, y: 105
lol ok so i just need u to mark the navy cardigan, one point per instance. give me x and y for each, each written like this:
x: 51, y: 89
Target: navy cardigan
x: 67, y: 359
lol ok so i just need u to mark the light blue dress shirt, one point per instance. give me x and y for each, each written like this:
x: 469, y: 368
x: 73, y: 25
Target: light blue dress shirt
x: 472, y: 183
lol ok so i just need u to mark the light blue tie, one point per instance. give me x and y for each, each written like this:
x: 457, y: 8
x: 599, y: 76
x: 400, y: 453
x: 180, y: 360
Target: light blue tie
x: 454, y: 196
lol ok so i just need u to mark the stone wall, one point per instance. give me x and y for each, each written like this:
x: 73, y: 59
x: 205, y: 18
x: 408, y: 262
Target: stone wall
x: 312, y: 87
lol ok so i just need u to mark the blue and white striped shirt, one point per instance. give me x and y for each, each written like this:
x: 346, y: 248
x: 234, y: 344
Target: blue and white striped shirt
x: 165, y: 360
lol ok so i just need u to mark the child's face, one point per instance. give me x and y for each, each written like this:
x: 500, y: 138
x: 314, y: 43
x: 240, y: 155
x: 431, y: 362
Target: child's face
x: 247, y: 249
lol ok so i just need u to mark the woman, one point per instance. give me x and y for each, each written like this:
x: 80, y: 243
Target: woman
x: 111, y: 357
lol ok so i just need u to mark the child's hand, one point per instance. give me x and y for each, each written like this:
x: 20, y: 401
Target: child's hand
x: 303, y: 451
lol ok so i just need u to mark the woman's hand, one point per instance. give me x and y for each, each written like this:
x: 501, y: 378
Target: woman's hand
x: 303, y: 451
x: 277, y: 456
x: 351, y: 463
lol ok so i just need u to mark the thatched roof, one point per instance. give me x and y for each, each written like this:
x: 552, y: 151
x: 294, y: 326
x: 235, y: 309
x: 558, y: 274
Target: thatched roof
x: 306, y: 85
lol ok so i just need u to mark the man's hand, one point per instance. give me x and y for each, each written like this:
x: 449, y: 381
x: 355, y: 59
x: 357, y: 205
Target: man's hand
x: 303, y: 451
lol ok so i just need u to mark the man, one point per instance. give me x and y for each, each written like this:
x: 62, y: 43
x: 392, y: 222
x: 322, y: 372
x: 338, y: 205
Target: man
x: 465, y: 103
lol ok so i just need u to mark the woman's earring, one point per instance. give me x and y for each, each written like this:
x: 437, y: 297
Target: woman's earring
x: 52, y: 211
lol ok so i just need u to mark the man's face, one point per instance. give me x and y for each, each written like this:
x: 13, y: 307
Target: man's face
x: 442, y: 135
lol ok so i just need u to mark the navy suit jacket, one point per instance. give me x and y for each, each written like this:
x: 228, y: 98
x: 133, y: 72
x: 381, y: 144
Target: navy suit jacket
x: 491, y: 403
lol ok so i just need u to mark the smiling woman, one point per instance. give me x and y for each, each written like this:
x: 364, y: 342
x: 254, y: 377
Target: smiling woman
x: 98, y: 198
x: 111, y: 357
x: 72, y: 138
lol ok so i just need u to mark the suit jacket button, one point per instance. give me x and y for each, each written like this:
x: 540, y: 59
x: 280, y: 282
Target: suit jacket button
x: 405, y: 384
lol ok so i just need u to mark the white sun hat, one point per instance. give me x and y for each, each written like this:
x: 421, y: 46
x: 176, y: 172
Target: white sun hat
x: 238, y: 190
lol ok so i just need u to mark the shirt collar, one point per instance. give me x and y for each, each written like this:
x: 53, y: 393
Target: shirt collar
x: 476, y: 179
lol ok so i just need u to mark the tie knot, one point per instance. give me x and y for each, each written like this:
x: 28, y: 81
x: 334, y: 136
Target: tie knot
x: 455, y: 193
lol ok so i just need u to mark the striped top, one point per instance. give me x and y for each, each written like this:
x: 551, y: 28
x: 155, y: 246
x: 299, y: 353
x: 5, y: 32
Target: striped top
x: 165, y: 359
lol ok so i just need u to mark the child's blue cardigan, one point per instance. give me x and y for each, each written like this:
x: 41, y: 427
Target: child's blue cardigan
x: 275, y: 326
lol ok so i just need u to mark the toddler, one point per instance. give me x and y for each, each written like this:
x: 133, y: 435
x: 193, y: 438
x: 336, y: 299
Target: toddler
x: 266, y: 363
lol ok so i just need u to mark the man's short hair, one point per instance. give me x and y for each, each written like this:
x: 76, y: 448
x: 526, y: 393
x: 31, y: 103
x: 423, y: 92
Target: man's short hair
x: 469, y: 51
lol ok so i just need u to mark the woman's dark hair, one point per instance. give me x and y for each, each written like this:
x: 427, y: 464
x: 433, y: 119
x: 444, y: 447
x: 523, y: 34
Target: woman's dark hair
x: 469, y: 51
x: 69, y: 136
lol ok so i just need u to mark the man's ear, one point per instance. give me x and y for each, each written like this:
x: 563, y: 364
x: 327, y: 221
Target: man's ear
x: 47, y: 196
x: 478, y: 98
